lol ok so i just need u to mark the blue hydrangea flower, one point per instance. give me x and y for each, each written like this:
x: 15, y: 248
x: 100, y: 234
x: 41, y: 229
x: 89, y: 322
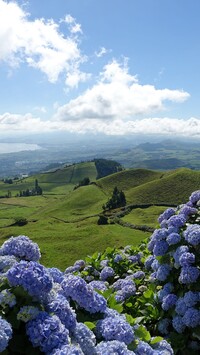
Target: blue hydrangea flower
x: 133, y: 259
x: 186, y: 259
x: 148, y: 262
x: 155, y: 265
x: 178, y: 324
x: 33, y: 277
x: 192, y: 234
x: 61, y: 308
x: 169, y: 301
x: 6, y: 262
x: 77, y: 289
x: 56, y: 274
x: 99, y: 285
x: 71, y: 269
x: 191, y: 298
x: 191, y: 317
x: 118, y: 258
x: 27, y: 313
x: 179, y: 251
x: 5, y: 334
x: 106, y: 273
x: 47, y: 332
x: 7, y: 298
x: 163, y: 272
x: 115, y: 328
x: 126, y: 286
x: 113, y: 347
x: 158, y: 235
x: 83, y: 336
x: 166, y: 214
x: 195, y: 197
x: 138, y: 275
x: 166, y: 290
x: 187, y: 211
x: 68, y: 350
x: 80, y: 263
x: 163, y: 347
x: 104, y: 262
x: 176, y: 221
x: 181, y: 306
x: 189, y: 274
x: 144, y: 348
x: 160, y: 248
x: 173, y: 238
x: 21, y: 247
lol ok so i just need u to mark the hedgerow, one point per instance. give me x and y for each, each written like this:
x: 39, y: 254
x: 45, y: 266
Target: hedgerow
x: 143, y: 300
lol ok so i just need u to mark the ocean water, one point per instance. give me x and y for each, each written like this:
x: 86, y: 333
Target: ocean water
x: 17, y: 147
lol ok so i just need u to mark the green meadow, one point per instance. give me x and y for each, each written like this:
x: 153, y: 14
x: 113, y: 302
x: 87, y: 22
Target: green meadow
x: 63, y: 220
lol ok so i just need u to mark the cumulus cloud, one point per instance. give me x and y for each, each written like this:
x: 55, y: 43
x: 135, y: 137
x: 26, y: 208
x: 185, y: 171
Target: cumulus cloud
x: 118, y: 95
x: 38, y: 43
x: 10, y: 123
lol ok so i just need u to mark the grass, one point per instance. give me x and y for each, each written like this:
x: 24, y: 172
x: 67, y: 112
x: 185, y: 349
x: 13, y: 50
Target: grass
x: 173, y: 188
x: 145, y: 216
x: 64, y: 221
x: 128, y: 179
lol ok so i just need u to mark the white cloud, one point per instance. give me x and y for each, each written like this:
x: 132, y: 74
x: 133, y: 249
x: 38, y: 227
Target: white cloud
x: 73, y: 25
x: 10, y: 123
x: 118, y: 95
x: 75, y: 77
x: 39, y: 43
x: 41, y: 109
x: 102, y: 51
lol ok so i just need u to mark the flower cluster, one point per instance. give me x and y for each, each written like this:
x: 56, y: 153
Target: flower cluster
x: 115, y: 328
x: 78, y: 290
x: 32, y: 276
x: 176, y: 269
x: 108, y: 303
x: 5, y: 333
x: 21, y: 247
x: 47, y: 332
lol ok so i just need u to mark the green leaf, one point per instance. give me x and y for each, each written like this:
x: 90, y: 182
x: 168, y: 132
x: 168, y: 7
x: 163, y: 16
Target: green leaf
x: 90, y: 325
x: 114, y: 305
x: 138, y: 320
x: 107, y: 293
x: 156, y: 340
x: 143, y: 333
x: 148, y: 294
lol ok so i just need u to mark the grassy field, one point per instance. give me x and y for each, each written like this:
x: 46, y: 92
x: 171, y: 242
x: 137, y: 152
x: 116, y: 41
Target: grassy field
x: 63, y: 221
x: 145, y: 216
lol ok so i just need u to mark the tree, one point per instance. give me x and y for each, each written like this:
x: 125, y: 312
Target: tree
x: 118, y: 199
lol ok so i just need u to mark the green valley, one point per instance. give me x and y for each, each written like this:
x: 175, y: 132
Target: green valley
x: 63, y: 220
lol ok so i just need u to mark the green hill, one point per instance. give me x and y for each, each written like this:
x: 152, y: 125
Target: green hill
x: 63, y: 221
x: 171, y: 188
x: 128, y: 179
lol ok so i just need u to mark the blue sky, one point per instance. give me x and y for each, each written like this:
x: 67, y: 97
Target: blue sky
x: 112, y: 66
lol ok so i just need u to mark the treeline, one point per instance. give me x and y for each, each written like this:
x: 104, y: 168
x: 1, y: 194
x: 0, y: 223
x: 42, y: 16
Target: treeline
x: 37, y: 190
x: 106, y: 167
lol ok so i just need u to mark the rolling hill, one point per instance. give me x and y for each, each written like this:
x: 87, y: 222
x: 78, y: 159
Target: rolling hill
x: 63, y: 221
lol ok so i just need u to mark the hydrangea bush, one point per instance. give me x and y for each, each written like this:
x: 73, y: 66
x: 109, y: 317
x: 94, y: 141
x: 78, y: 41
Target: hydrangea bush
x: 143, y: 300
